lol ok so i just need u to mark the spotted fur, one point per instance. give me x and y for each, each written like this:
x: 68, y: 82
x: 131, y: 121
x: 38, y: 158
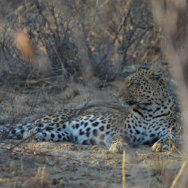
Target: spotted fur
x: 152, y: 119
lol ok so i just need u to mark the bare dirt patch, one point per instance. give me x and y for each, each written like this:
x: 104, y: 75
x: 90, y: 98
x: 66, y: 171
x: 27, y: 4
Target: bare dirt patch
x: 48, y: 164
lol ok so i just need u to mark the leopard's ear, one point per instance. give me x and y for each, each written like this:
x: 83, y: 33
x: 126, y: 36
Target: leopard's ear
x: 144, y: 67
x: 154, y: 76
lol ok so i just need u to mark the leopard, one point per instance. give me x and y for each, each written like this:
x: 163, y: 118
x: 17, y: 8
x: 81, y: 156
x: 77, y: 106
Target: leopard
x: 151, y: 120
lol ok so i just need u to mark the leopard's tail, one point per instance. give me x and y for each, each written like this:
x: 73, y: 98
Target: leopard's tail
x: 16, y: 131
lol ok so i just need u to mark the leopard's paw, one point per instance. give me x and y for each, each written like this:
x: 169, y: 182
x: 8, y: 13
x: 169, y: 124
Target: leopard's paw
x: 117, y: 146
x: 163, y: 145
x: 160, y: 147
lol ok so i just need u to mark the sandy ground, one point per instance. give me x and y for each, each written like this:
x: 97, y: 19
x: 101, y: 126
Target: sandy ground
x: 47, y: 164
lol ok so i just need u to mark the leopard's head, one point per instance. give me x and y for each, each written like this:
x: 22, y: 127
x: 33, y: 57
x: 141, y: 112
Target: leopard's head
x: 144, y: 87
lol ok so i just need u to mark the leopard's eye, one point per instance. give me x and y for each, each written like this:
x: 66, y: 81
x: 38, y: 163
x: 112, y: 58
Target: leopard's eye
x: 134, y: 83
x: 130, y: 84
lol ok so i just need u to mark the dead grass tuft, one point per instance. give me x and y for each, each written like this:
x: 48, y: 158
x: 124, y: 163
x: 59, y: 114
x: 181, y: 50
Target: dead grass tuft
x: 39, y: 180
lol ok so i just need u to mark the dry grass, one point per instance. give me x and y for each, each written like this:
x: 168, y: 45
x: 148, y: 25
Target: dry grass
x: 39, y: 180
x: 123, y: 171
x: 174, y: 183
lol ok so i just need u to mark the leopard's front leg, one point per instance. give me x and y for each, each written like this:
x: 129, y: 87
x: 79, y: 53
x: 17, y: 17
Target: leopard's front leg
x: 165, y: 143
